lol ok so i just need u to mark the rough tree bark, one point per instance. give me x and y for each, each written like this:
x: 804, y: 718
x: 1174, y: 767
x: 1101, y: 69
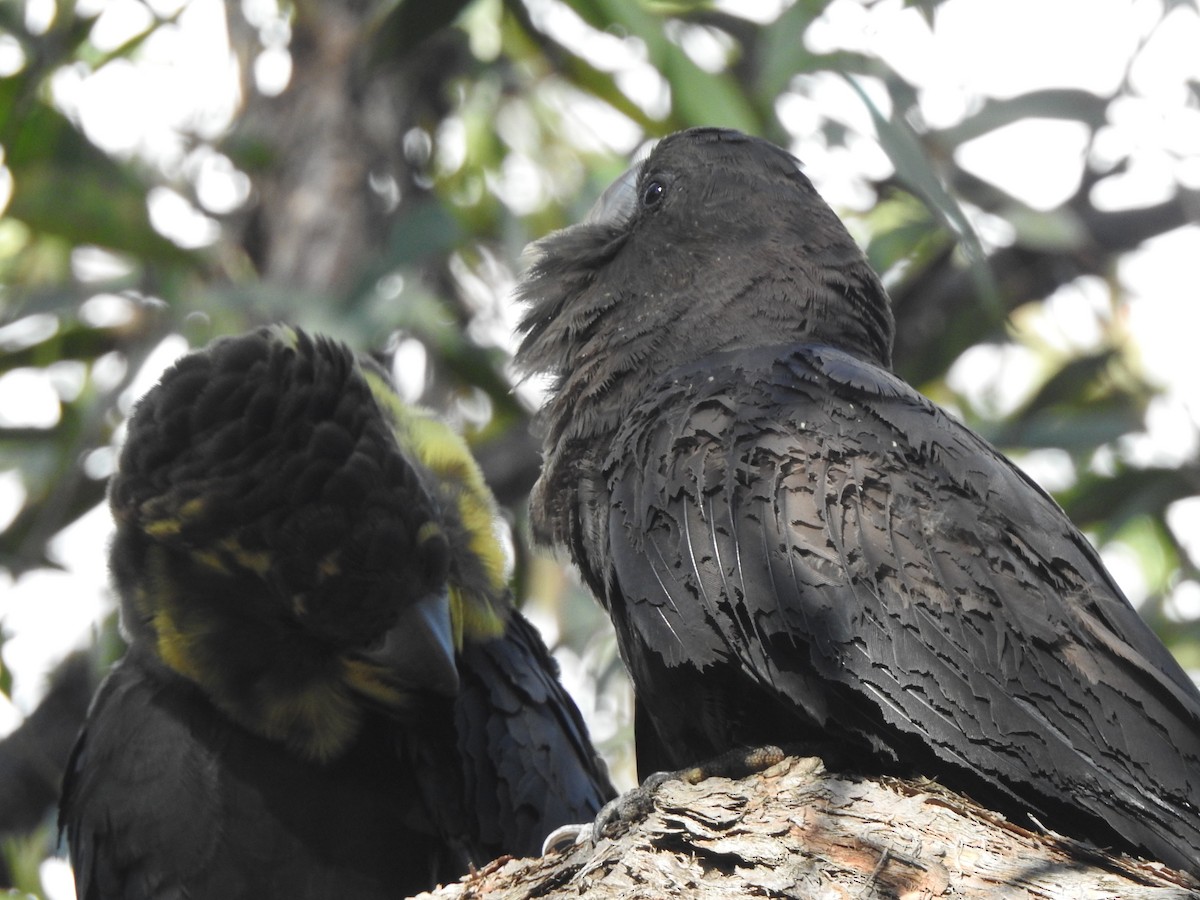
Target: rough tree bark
x: 796, y: 831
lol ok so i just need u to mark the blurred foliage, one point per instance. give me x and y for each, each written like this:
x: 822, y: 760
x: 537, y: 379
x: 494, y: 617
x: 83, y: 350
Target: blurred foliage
x: 384, y: 191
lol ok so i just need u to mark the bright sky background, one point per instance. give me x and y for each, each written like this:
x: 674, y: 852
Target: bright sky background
x: 185, y: 83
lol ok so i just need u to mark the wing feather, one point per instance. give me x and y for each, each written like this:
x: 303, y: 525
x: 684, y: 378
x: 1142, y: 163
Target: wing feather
x: 854, y: 552
x: 529, y: 764
x: 164, y: 797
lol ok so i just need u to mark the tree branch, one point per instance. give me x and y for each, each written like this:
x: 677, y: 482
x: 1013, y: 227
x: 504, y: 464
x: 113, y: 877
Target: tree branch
x: 795, y: 831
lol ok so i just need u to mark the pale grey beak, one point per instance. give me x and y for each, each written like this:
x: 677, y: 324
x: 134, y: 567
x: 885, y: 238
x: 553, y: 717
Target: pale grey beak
x: 619, y: 200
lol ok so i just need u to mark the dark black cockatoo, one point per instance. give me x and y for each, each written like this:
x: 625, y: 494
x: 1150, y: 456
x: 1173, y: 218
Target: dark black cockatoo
x: 797, y: 547
x: 327, y: 692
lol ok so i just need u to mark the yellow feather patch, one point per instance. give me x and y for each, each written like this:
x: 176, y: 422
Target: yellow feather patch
x: 446, y: 455
x: 285, y: 334
x: 480, y: 517
x: 428, y: 532
x: 318, y: 720
x: 258, y: 561
x: 210, y: 559
x: 474, y: 613
x: 368, y: 679
x: 168, y: 526
x: 329, y: 565
x: 192, y: 508
x: 174, y: 648
x: 143, y: 603
x: 163, y: 528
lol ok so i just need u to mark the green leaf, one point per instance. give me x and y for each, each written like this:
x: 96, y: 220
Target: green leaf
x: 903, y: 232
x: 410, y: 22
x: 1106, y: 503
x: 1052, y: 103
x: 781, y: 53
x: 698, y: 97
x: 1060, y: 230
x: 1078, y: 430
x: 1076, y: 381
x: 63, y: 185
x: 913, y: 167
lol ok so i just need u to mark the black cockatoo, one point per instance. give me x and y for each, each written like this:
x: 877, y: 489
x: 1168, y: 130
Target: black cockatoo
x: 327, y: 691
x: 797, y: 547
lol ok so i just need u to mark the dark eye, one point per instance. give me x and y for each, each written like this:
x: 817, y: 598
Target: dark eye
x: 652, y: 194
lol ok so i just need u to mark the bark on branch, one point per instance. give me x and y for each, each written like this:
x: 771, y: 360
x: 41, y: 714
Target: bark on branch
x: 796, y: 831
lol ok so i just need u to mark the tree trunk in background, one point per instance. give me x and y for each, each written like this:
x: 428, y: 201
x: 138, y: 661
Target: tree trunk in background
x: 328, y: 155
x: 795, y: 831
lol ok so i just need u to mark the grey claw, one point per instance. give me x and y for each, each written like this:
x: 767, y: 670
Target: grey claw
x: 563, y: 838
